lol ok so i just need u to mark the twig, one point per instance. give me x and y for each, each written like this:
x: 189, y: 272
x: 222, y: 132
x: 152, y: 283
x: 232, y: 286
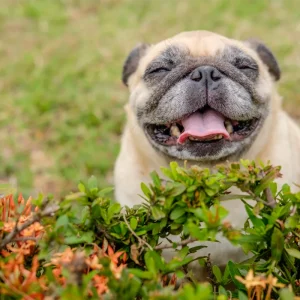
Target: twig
x: 26, y: 238
x: 7, y: 284
x: 258, y: 199
x: 270, y: 199
x: 211, y: 276
x: 105, y: 233
x: 182, y: 243
x: 47, y: 211
x: 141, y: 241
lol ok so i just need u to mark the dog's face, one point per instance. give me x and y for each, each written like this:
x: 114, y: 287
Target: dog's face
x: 200, y: 96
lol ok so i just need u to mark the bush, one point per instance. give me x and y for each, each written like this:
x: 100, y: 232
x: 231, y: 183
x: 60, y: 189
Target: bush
x: 86, y: 246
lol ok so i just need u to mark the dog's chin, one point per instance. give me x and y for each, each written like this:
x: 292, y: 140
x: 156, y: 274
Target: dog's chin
x: 215, y: 148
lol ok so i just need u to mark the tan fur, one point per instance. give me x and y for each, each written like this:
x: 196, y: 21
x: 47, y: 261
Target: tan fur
x: 278, y: 140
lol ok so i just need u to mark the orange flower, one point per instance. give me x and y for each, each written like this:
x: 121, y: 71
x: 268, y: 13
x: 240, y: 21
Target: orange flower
x: 92, y: 262
x: 251, y: 281
x: 19, y: 279
x: 256, y: 284
x: 100, y: 283
x: 25, y: 241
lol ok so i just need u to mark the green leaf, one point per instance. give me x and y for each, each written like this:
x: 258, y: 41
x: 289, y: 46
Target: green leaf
x: 163, y: 223
x: 200, y: 214
x: 265, y: 182
x: 105, y: 191
x: 180, y: 220
x: 177, y: 189
x: 133, y: 223
x: 112, y: 210
x: 293, y: 252
x: 210, y: 192
x: 219, y: 211
x: 81, y: 187
x: 92, y: 182
x: 167, y: 172
x: 176, y: 263
x: 156, y: 179
x: 86, y: 237
x: 177, y: 213
x: 255, y: 221
x: 292, y: 222
x: 145, y: 190
x: 156, y: 229
x: 250, y: 238
x: 150, y: 262
x: 242, y: 296
x: 286, y: 294
x: 222, y: 291
x: 62, y: 221
x: 286, y: 189
x: 217, y: 272
x: 191, y: 188
x: 157, y: 213
x: 141, y: 232
x: 196, y: 248
x: 141, y: 274
x: 277, y: 243
x: 196, y: 232
x: 234, y: 271
x: 226, y: 274
x: 174, y: 166
x: 154, y: 257
x: 182, y: 253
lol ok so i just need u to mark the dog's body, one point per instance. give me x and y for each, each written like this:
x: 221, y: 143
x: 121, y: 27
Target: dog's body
x: 204, y: 84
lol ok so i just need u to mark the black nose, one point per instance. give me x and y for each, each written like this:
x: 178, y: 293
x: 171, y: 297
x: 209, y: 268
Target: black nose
x: 207, y: 74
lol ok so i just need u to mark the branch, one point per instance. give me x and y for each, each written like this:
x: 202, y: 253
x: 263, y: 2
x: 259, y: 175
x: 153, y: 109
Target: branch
x: 270, y: 199
x: 105, y: 233
x: 182, y: 243
x: 46, y: 211
x: 26, y: 238
x: 271, y: 202
x: 141, y: 241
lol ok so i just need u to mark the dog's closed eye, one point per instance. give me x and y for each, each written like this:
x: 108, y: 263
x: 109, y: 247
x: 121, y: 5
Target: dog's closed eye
x: 244, y: 64
x: 158, y: 70
x: 245, y: 67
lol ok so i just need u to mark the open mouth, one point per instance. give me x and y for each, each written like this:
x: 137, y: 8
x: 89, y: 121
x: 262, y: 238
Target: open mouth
x: 204, y: 126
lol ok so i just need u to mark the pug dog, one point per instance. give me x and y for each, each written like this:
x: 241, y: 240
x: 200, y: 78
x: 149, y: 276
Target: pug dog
x: 206, y: 99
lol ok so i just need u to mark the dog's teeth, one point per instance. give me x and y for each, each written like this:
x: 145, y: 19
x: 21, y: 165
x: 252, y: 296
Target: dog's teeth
x: 229, y: 127
x: 175, y: 131
x: 215, y: 137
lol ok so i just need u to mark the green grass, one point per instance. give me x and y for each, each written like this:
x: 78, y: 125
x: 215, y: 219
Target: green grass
x: 60, y: 68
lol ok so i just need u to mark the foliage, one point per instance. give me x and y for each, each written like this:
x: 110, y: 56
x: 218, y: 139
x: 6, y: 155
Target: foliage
x: 88, y: 247
x: 61, y: 62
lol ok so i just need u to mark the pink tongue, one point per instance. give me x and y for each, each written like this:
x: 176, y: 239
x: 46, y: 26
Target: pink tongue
x: 203, y: 126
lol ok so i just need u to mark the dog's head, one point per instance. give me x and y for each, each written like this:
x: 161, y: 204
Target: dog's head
x: 201, y: 96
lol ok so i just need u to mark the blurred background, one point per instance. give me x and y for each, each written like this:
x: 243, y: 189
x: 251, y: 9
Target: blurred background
x: 62, y: 99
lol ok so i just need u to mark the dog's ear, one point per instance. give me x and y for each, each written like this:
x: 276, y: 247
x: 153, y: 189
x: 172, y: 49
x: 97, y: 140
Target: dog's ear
x: 132, y: 61
x: 266, y: 56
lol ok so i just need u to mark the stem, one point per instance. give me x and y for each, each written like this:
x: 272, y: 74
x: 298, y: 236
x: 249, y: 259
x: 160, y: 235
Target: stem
x: 141, y: 241
x: 26, y: 238
x: 258, y: 199
x: 47, y: 211
x: 182, y: 243
x: 268, y: 296
x: 270, y: 199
